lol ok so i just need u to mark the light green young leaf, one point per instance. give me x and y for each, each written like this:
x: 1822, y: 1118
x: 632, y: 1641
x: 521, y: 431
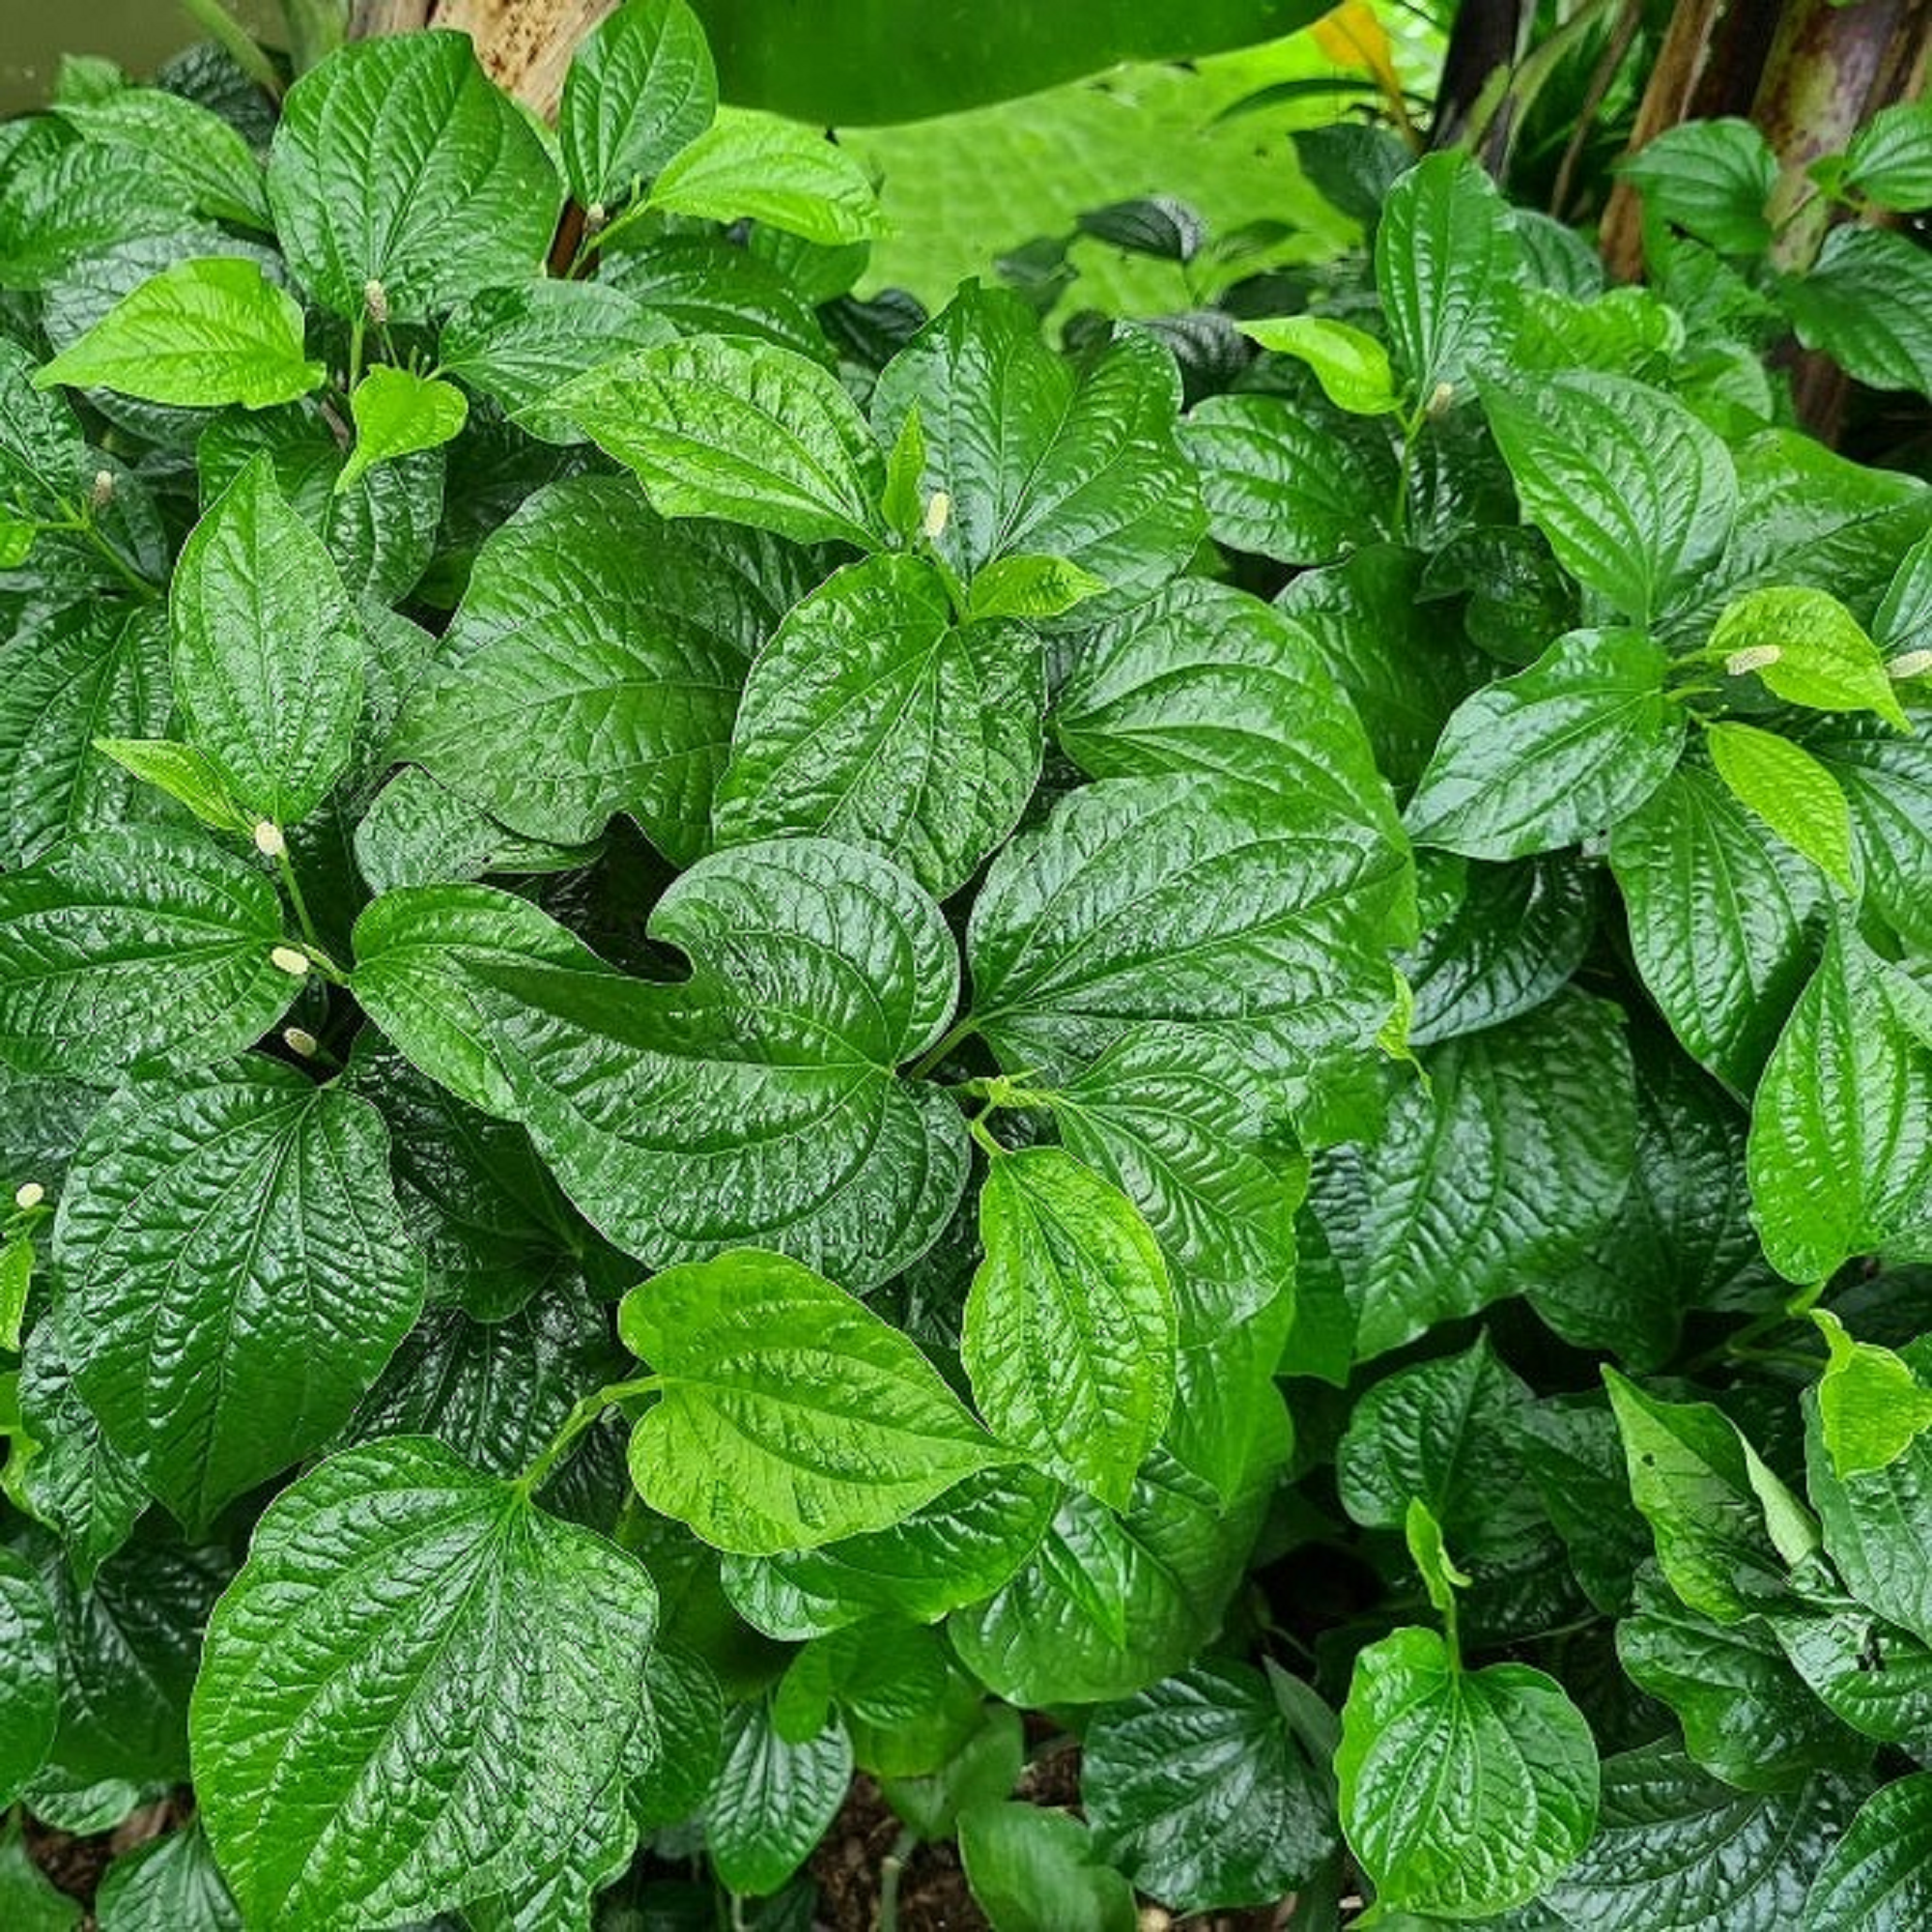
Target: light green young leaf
x: 1034, y: 588
x: 1726, y: 1529
x: 397, y: 162
x: 136, y: 944
x: 1636, y: 496
x: 776, y: 172
x: 719, y: 426
x: 1789, y: 789
x: 1440, y: 1576
x: 1808, y: 649
x: 1840, y: 1151
x: 204, y: 332
x: 233, y: 1273
x: 268, y: 651
x: 396, y: 415
x: 184, y: 774
x: 1712, y: 178
x: 790, y: 1415
x: 1889, y: 160
x: 17, y: 1280
x: 509, y: 1686
x: 1513, y: 1749
x: 1871, y: 1408
x: 817, y: 970
x: 1070, y: 1325
x: 1037, y: 1870
x: 1352, y: 366
x: 1566, y: 748
x: 874, y: 717
x: 1446, y: 258
x: 901, y: 501
x: 1879, y: 1875
x: 771, y: 1802
x: 641, y: 87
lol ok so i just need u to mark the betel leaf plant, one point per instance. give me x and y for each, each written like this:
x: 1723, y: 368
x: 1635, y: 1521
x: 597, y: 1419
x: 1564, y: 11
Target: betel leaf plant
x: 751, y: 1040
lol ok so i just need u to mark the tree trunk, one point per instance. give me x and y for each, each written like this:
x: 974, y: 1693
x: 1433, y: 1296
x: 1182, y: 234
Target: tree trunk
x: 524, y: 45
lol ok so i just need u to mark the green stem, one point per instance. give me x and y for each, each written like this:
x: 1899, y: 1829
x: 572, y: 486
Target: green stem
x: 1412, y: 431
x: 579, y: 1418
x: 922, y: 1066
x: 293, y: 887
x: 592, y: 243
x: 355, y: 328
x: 214, y: 20
x: 890, y: 1868
x: 80, y: 522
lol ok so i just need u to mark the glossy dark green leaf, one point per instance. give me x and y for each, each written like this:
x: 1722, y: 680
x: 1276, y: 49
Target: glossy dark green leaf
x: 1879, y: 1875
x: 1887, y: 778
x: 489, y: 1724
x: 1445, y: 258
x: 267, y: 651
x: 1636, y: 496
x: 43, y: 453
x: 135, y: 945
x: 26, y: 1895
x: 73, y: 202
x: 171, y: 1885
x: 771, y: 1802
x: 416, y: 833
x: 721, y: 427
x: 790, y: 1415
x: 1513, y: 1159
x: 1203, y: 1795
x: 1180, y: 899
x: 817, y: 970
x: 594, y: 667
x: 1039, y: 1871
x: 1506, y: 1739
x: 234, y: 1272
x: 1562, y: 750
x: 1711, y: 178
x: 1038, y: 456
x: 639, y: 87
x: 30, y: 1686
x: 186, y: 141
x: 1890, y: 159
x: 1280, y: 485
x: 1724, y: 920
x: 1070, y: 1326
x: 1746, y: 1715
x: 705, y: 285
x: 874, y: 717
x: 1874, y: 1676
x: 398, y: 163
x: 1865, y: 304
x: 92, y: 671
x: 1572, y: 1453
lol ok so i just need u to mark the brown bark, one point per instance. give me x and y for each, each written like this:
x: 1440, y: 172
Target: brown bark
x: 524, y: 45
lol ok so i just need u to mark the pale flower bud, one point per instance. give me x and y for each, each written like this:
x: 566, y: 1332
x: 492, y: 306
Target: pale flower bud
x: 103, y: 493
x: 300, y: 1041
x: 1439, y: 399
x: 291, y: 962
x: 1753, y: 657
x: 1914, y: 663
x: 938, y: 509
x: 376, y: 300
x: 29, y: 1195
x: 595, y: 217
x: 269, y: 840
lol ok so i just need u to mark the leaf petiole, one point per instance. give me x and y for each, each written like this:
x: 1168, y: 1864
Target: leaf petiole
x: 579, y: 1418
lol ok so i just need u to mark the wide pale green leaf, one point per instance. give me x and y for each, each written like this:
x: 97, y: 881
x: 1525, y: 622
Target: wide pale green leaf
x: 93, y: 668
x: 875, y: 718
x: 1183, y: 899
x: 1562, y: 750
x: 957, y: 1549
x: 722, y: 427
x: 594, y: 666
x: 1070, y: 1327
x: 268, y: 651
x: 1038, y: 456
x: 1039, y: 1871
x: 772, y: 1802
x: 1726, y: 1529
x: 1032, y: 587
x: 186, y: 141
x: 1840, y: 1151
x: 233, y: 1273
x: 1203, y: 1794
x: 1514, y: 1750
x: 1808, y: 649
x: 1724, y: 920
x: 1789, y: 789
x: 761, y: 168
x: 398, y: 163
x: 398, y: 413
x: 1711, y: 178
x: 791, y: 1415
x: 754, y: 1104
x: 640, y: 87
x: 30, y: 1686
x: 521, y: 344
x: 1677, y: 1851
x: 1281, y: 485
x: 1498, y: 1176
x: 1636, y: 496
x: 1879, y: 1875
x: 350, y: 1783
x: 1868, y: 303
x: 202, y: 333
x: 135, y: 945
x: 1446, y: 257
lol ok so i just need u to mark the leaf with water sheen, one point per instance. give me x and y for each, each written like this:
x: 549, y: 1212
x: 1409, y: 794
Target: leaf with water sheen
x: 1711, y: 178
x: 1879, y: 1875
x: 772, y: 1802
x: 764, y: 169
x: 640, y: 87
x: 1789, y: 789
x: 398, y: 413
x: 791, y: 1415
x: 30, y: 1687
